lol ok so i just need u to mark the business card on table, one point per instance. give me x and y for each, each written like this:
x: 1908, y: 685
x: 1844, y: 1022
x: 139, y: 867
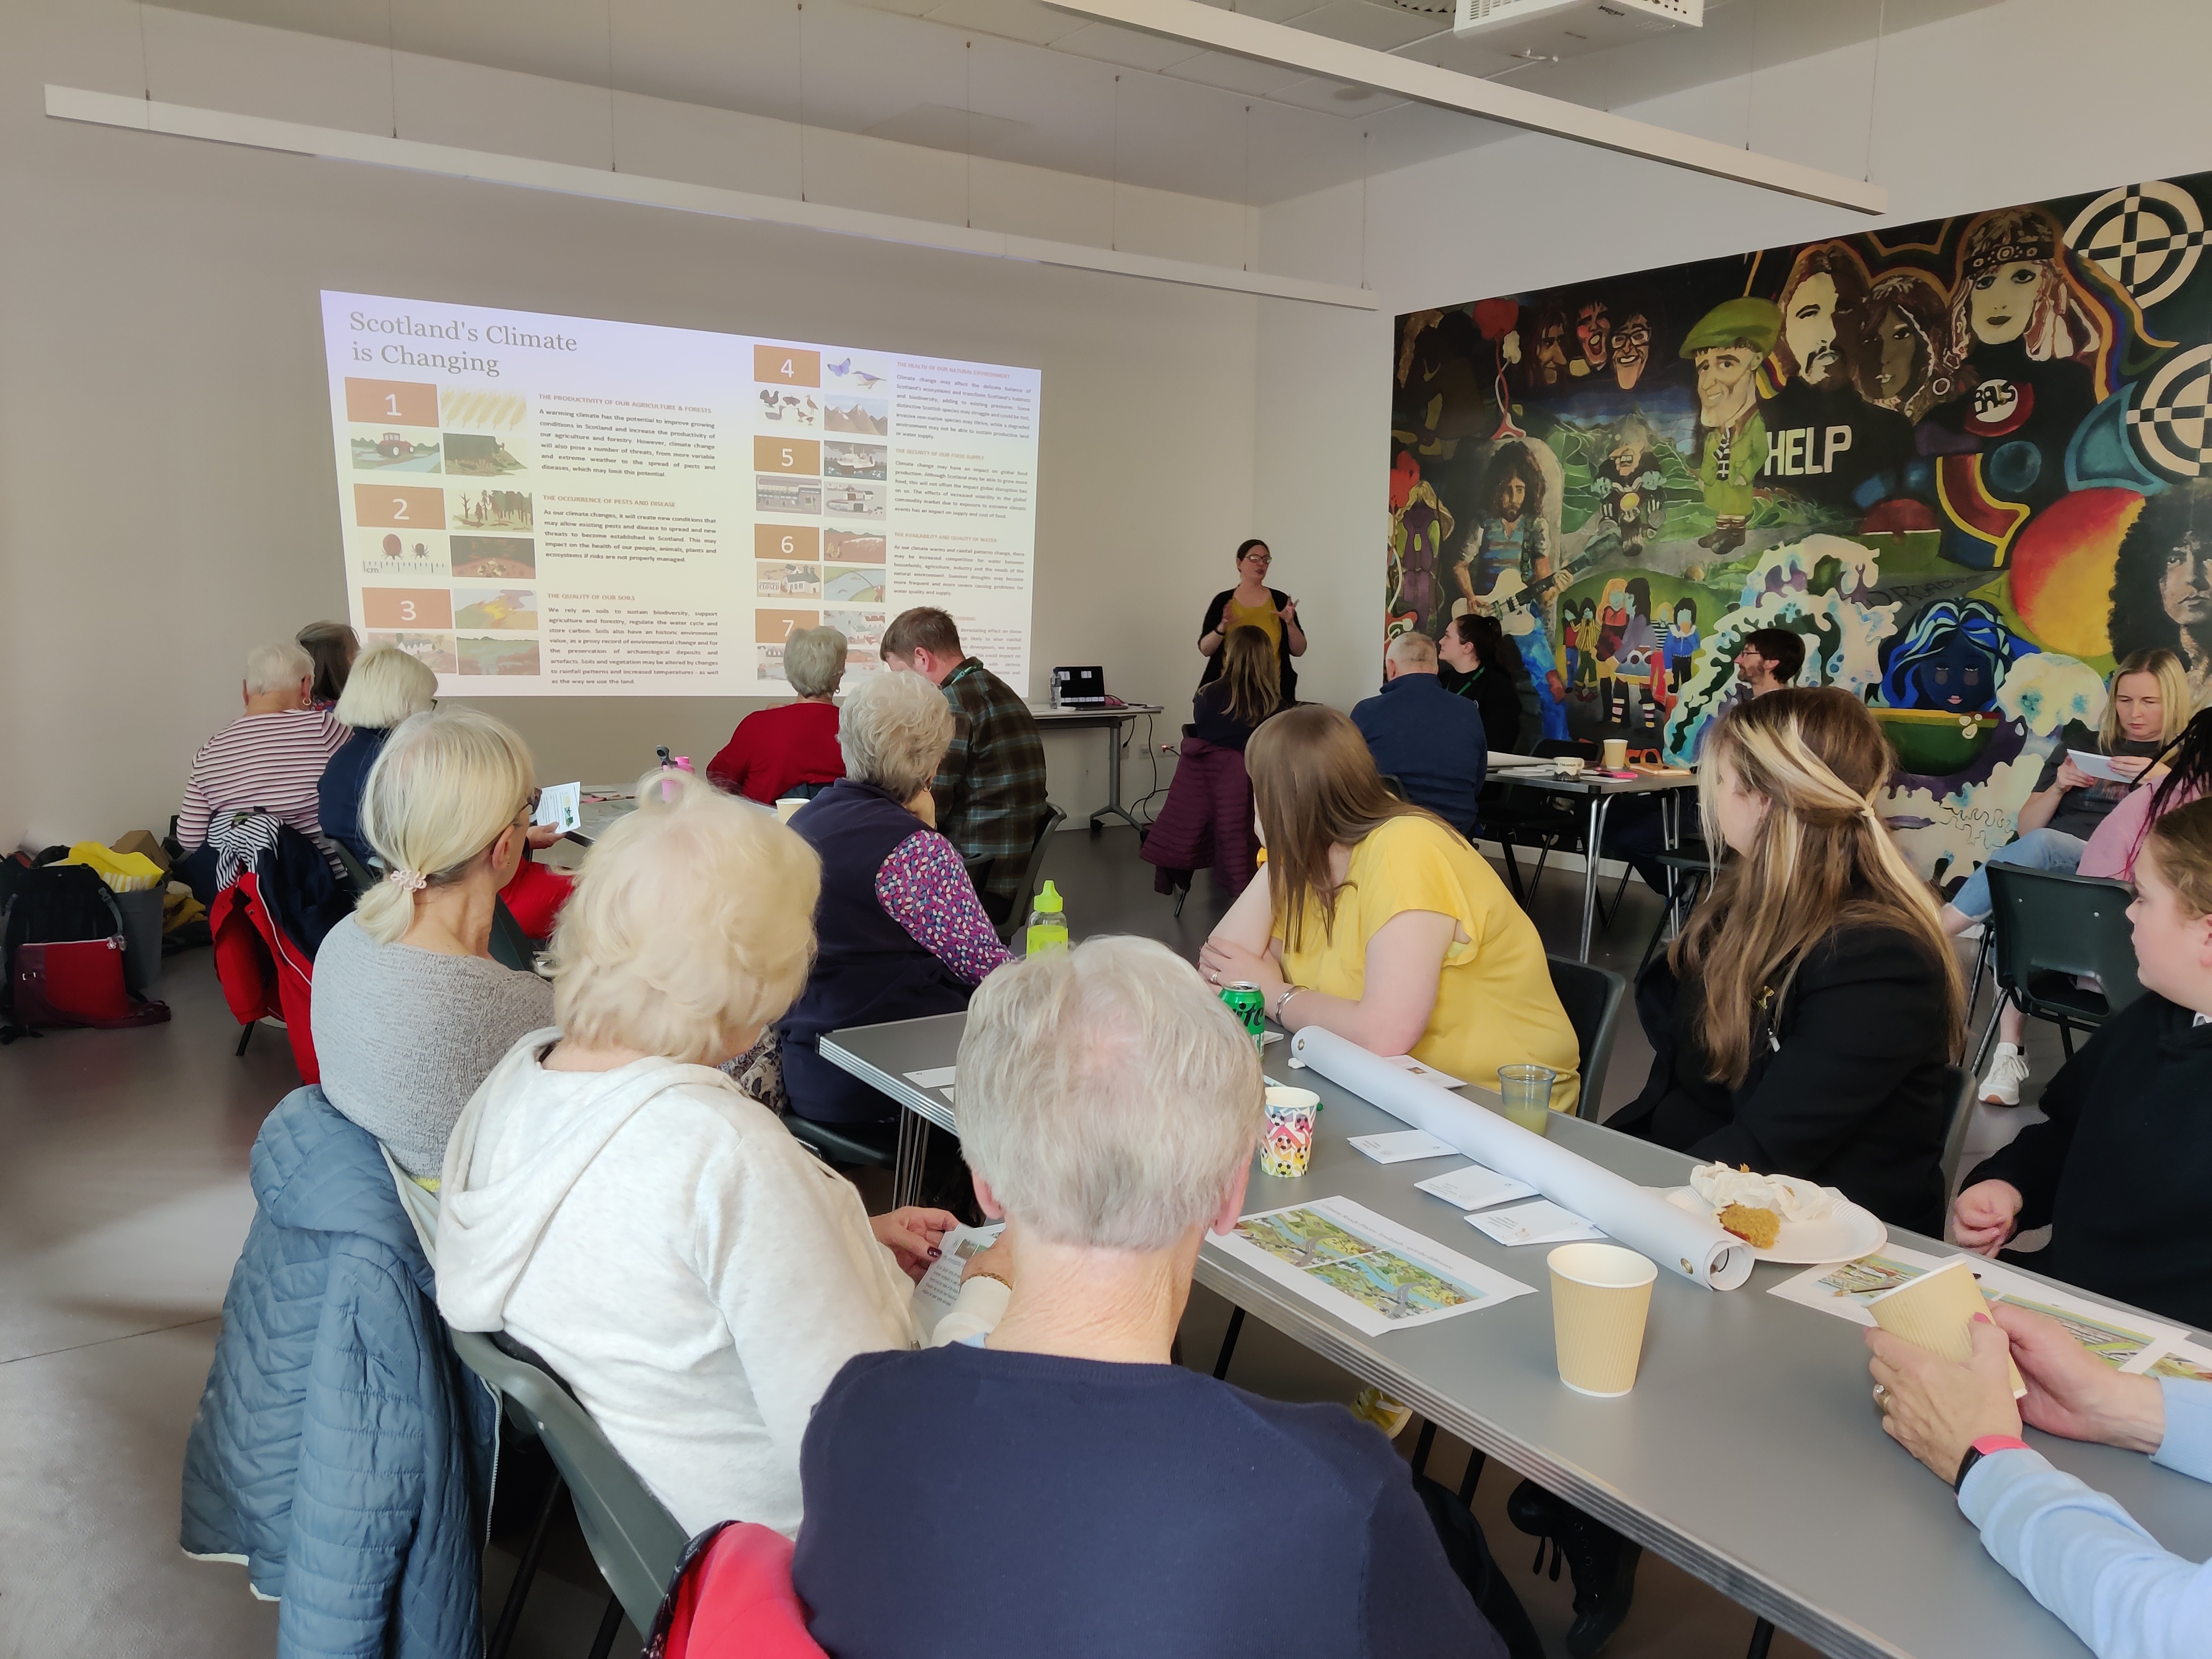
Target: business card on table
x: 1403, y: 1147
x: 1540, y: 1223
x: 936, y: 1077
x: 1476, y: 1187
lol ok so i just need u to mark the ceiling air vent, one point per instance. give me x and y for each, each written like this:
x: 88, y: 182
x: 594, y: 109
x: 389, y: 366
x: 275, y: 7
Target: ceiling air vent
x: 1475, y: 16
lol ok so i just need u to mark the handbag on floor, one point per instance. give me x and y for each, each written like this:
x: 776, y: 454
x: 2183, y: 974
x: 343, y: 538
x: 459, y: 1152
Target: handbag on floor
x: 61, y: 956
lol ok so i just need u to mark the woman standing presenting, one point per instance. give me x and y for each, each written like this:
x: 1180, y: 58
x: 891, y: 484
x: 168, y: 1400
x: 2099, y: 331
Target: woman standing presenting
x: 1253, y: 603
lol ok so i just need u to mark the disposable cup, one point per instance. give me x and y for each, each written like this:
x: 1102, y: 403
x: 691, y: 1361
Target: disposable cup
x: 1601, y: 1295
x: 1527, y: 1091
x: 1287, y: 1149
x: 787, y: 806
x: 1616, y: 753
x: 1935, y: 1310
x: 1568, y: 766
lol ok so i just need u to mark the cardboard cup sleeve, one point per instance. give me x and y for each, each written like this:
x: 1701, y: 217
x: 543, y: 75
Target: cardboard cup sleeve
x: 1601, y: 1298
x: 1933, y: 1312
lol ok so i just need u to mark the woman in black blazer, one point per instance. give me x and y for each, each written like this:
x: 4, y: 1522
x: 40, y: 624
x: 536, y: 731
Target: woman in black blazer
x: 1802, y: 1022
x: 1253, y: 603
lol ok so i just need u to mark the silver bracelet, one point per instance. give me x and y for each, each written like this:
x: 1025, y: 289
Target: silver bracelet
x: 1284, y: 1000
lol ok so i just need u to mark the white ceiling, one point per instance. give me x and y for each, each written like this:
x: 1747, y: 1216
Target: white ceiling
x: 1017, y: 80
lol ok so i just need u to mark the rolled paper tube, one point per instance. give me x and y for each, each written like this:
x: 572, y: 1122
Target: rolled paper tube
x: 1933, y: 1312
x: 1695, y: 1247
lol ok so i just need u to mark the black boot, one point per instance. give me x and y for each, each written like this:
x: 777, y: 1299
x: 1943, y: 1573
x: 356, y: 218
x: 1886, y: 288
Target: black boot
x: 1603, y: 1563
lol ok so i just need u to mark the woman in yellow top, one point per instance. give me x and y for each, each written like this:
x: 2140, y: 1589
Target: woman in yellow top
x: 1253, y: 603
x: 1376, y: 920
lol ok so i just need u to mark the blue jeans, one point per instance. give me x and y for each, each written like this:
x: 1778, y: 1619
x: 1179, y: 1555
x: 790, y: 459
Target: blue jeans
x: 2038, y: 849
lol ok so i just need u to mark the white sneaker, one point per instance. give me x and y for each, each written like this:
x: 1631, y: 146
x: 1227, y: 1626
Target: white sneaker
x: 2008, y: 1071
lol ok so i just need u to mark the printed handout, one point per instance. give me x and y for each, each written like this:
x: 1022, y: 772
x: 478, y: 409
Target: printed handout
x: 1540, y: 1223
x: 936, y: 1077
x: 939, y: 1288
x: 1402, y: 1147
x: 561, y: 806
x: 1476, y: 1187
x: 1370, y: 1271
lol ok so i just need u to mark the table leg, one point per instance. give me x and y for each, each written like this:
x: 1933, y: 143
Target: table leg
x: 1597, y: 809
x: 1762, y: 1638
x: 1113, y: 808
x: 913, y: 1153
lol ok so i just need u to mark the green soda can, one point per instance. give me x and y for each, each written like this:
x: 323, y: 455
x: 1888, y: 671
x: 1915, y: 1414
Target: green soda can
x: 1249, y: 1004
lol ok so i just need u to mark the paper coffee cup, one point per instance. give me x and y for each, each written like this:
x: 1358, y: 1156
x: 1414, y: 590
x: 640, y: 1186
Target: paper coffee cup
x: 1616, y: 753
x: 1934, y: 1311
x: 1287, y: 1148
x: 1568, y: 766
x: 787, y: 805
x: 1601, y: 1295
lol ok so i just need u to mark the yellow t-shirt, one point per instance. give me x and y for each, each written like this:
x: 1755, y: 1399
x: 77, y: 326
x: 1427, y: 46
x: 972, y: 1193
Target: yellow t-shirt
x: 1495, y: 1005
x: 1261, y: 616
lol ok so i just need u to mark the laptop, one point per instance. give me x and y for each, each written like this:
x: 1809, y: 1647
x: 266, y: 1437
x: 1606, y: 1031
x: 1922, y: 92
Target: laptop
x: 1079, y: 688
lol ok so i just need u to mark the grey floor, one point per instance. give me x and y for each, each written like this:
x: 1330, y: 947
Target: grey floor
x: 123, y: 1202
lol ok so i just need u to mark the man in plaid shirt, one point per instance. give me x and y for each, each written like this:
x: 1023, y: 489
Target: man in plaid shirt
x: 989, y: 790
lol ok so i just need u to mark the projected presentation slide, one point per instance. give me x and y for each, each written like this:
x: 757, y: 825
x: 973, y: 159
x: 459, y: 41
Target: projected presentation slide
x: 560, y: 506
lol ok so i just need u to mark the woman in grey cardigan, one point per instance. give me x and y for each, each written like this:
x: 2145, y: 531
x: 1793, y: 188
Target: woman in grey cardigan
x: 410, y: 1012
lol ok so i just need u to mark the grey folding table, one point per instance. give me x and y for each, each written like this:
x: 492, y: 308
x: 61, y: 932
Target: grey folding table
x: 1750, y: 1453
x: 1113, y: 717
x: 1598, y: 793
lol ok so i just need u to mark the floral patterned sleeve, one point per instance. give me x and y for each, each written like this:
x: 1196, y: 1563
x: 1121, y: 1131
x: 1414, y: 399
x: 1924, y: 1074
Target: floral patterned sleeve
x: 923, y: 887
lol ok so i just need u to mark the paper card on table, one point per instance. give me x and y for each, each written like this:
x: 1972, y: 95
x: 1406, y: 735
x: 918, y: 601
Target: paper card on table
x: 561, y: 806
x: 1413, y: 1068
x: 939, y: 1288
x: 2117, y: 1338
x: 1402, y: 1147
x: 936, y: 1077
x: 1540, y: 1223
x: 2182, y: 1360
x: 1370, y: 1271
x: 1476, y: 1187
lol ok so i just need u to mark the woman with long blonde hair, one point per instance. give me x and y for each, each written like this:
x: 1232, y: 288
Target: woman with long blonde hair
x: 1377, y: 921
x: 2146, y: 706
x: 1803, y: 1021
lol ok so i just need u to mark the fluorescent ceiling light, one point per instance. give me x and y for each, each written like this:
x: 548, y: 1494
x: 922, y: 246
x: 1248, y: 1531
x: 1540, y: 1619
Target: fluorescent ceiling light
x: 485, y: 167
x: 1277, y: 43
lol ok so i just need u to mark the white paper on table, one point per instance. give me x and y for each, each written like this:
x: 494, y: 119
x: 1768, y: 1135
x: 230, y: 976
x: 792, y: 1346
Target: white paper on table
x: 1374, y: 1274
x: 939, y: 1288
x: 1693, y: 1246
x: 1413, y: 1068
x: 2100, y: 767
x: 561, y: 806
x: 2119, y: 1339
x: 2182, y: 1360
x: 1402, y: 1147
x: 1476, y: 1187
x: 1540, y: 1223
x: 936, y: 1077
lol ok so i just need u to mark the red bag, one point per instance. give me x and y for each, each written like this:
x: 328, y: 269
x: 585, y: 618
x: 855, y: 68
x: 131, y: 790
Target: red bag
x: 78, y: 982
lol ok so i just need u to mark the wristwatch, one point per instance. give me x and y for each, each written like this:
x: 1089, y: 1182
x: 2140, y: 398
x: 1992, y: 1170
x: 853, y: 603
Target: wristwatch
x: 1982, y: 1447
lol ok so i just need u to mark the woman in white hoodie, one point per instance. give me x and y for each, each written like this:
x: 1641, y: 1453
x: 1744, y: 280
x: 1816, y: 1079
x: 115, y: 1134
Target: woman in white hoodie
x: 614, y: 1201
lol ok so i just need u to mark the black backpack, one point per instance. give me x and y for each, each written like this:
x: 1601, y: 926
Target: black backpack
x: 46, y: 904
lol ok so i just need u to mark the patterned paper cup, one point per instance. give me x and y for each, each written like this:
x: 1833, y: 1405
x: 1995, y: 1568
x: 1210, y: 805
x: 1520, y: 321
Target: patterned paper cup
x: 1288, y: 1148
x: 1933, y: 1311
x: 1601, y: 1295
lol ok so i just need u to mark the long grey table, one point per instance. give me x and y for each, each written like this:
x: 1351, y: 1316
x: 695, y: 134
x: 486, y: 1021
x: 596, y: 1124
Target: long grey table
x: 1597, y: 794
x: 1112, y: 717
x: 1750, y: 1454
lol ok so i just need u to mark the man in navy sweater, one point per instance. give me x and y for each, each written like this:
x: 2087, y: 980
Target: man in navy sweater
x: 1419, y: 734
x: 1066, y: 1489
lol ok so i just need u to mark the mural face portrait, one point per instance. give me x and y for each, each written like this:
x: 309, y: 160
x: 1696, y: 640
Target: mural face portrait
x: 1512, y: 497
x: 1900, y: 362
x: 1725, y: 388
x: 2001, y: 301
x: 2185, y: 591
x: 1551, y: 350
x: 1594, y: 332
x: 1632, y: 350
x: 1808, y: 323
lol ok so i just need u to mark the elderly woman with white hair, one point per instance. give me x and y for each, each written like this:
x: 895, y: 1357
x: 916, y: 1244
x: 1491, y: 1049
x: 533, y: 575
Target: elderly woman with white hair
x: 410, y: 1011
x: 385, y: 687
x: 1109, y: 1106
x: 900, y: 932
x: 270, y: 759
x: 613, y: 1200
x: 790, y: 750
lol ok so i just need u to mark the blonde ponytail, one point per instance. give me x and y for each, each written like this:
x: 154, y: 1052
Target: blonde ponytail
x: 448, y: 782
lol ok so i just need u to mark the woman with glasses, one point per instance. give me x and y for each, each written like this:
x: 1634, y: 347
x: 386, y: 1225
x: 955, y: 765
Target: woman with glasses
x: 411, y: 1012
x: 1253, y: 603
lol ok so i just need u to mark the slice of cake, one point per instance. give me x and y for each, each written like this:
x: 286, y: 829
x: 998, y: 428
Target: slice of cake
x: 1755, y: 1227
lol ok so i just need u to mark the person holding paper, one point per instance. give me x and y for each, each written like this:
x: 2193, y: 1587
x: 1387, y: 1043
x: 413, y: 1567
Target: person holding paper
x: 1376, y: 920
x: 1064, y: 1487
x: 609, y: 1197
x: 2120, y: 1166
x: 2146, y: 710
x: 775, y: 752
x: 2076, y: 1550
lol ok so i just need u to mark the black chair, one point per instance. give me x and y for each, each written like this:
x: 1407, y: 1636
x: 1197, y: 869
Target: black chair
x: 979, y: 870
x: 1960, y: 1085
x: 1691, y: 864
x: 1592, y: 996
x: 358, y: 873
x: 850, y: 1145
x: 1531, y: 819
x: 510, y: 946
x: 2049, y: 930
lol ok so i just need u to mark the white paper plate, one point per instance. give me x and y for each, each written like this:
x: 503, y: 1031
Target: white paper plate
x: 1848, y: 1233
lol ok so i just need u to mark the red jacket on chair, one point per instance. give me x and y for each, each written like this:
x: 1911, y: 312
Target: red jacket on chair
x: 1206, y: 822
x: 262, y: 970
x: 733, y: 1599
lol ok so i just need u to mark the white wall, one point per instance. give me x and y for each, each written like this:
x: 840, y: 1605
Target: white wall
x: 2016, y: 103
x: 166, y: 493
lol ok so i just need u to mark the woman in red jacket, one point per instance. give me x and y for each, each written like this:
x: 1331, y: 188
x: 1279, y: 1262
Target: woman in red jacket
x: 790, y: 750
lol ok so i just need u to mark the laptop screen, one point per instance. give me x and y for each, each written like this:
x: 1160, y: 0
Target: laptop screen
x: 1080, y: 684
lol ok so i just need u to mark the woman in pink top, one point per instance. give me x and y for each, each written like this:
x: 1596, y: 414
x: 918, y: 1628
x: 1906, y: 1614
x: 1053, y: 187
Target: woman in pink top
x: 2184, y: 773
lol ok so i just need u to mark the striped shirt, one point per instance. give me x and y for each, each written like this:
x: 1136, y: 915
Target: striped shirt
x: 270, y: 762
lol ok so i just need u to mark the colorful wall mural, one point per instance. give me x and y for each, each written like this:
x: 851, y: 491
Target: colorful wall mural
x: 1968, y: 460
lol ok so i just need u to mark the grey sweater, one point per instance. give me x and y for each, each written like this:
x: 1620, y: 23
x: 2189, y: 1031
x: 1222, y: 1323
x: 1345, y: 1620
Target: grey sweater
x: 404, y: 1035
